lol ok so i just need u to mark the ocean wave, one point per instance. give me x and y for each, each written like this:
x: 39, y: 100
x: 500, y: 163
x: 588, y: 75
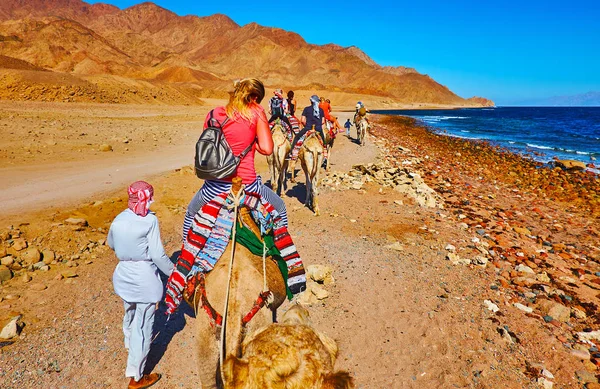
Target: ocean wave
x: 463, y: 137
x: 534, y: 146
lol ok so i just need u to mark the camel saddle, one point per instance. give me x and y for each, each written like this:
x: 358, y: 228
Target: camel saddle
x: 194, y: 292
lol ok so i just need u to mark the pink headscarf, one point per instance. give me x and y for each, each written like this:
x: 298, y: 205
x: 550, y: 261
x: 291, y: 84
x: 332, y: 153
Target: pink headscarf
x: 140, y: 197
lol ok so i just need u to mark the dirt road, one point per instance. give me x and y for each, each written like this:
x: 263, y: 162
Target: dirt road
x: 403, y: 316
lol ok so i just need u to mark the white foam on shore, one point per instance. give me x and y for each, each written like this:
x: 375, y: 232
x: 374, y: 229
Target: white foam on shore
x: 539, y: 147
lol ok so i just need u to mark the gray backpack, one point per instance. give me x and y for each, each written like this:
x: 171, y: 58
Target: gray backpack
x: 214, y: 158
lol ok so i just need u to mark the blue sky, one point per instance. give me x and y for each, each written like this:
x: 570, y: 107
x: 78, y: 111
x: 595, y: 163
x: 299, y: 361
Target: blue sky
x: 508, y: 51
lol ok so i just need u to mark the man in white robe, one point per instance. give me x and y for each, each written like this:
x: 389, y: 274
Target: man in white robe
x: 134, y: 235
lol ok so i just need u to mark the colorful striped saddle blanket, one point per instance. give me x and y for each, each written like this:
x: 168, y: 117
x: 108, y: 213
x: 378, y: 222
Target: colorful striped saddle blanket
x: 300, y: 142
x: 210, y: 234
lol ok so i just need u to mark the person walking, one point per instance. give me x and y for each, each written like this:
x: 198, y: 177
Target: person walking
x: 347, y: 125
x: 134, y: 236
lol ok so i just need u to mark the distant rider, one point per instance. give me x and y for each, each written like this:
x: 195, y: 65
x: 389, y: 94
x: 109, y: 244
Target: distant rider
x: 277, y: 108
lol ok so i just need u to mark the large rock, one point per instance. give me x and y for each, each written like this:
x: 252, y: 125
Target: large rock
x: 414, y: 187
x: 48, y: 256
x: 76, y: 221
x: 2, y: 250
x: 105, y: 147
x: 30, y: 256
x: 320, y: 273
x: 19, y: 244
x: 570, y: 164
x: 5, y: 273
x: 554, y: 309
x: 7, y: 261
x: 11, y: 329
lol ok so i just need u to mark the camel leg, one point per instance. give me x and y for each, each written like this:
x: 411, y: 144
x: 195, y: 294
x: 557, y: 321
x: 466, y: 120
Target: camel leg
x: 293, y: 171
x: 208, y: 353
x: 315, y: 184
x: 281, y: 183
x: 328, y: 158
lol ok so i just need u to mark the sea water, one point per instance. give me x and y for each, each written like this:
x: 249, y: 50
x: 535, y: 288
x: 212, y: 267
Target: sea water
x: 538, y: 132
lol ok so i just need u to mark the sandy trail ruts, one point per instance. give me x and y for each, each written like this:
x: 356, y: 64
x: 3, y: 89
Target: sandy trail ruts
x: 40, y: 187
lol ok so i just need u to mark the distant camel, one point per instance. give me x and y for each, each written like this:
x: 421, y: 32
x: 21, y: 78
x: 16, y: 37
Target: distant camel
x: 328, y: 141
x: 311, y: 158
x: 277, y: 161
x: 361, y: 131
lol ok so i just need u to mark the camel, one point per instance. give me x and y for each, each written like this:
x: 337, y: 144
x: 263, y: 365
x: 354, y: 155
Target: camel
x: 328, y: 141
x: 246, y: 284
x: 277, y: 161
x: 361, y: 131
x: 311, y: 158
x: 287, y: 355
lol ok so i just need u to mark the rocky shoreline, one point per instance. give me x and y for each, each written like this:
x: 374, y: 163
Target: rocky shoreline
x: 536, y: 228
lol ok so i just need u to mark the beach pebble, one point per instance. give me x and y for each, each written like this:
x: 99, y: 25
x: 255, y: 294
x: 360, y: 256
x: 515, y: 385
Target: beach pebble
x: 395, y: 246
x: 547, y: 374
x: 38, y: 287
x: 25, y: 278
x: 524, y: 269
x: 522, y: 231
x: 586, y: 377
x: 105, y: 147
x: 545, y: 383
x: 491, y: 306
x: 581, y: 354
x: 523, y: 308
x: 554, y: 309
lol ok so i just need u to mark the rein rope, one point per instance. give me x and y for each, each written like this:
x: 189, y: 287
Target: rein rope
x: 236, y: 205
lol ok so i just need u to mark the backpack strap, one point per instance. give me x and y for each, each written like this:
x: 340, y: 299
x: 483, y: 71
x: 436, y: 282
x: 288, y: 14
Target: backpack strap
x: 246, y: 150
x: 212, y: 118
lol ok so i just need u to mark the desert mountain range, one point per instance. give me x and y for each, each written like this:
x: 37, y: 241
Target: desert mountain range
x: 69, y: 50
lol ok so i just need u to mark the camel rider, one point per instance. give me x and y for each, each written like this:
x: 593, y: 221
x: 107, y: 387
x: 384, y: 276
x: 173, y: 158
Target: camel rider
x: 332, y: 119
x: 291, y: 102
x: 361, y: 113
x: 277, y: 108
x: 312, y: 115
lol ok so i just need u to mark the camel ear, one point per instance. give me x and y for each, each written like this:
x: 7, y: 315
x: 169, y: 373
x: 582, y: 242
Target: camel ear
x: 235, y: 372
x: 330, y: 345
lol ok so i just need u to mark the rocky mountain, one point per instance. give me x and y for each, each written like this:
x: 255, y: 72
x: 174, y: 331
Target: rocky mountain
x: 147, y: 42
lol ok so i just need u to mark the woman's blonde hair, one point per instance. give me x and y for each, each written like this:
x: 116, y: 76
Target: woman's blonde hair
x: 242, y: 98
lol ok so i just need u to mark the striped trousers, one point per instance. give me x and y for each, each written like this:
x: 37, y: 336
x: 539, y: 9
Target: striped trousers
x: 210, y: 189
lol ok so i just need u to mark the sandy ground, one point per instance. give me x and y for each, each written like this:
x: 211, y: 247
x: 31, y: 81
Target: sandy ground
x: 403, y: 318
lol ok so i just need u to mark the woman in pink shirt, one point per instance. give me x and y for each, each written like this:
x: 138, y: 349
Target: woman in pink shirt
x: 247, y: 125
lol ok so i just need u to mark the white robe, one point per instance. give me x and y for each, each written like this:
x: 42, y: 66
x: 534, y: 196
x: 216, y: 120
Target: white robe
x: 136, y: 242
